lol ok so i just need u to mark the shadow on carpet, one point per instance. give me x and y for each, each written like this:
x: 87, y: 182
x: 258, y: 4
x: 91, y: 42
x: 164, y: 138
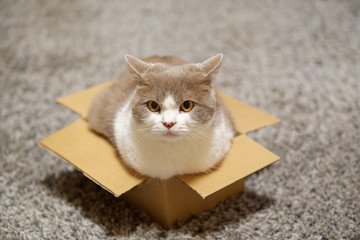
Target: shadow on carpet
x: 113, y: 213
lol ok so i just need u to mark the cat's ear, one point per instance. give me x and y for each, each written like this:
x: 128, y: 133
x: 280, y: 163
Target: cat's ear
x: 212, y: 65
x: 137, y: 65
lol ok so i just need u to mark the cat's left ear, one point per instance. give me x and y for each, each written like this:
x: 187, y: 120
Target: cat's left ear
x: 212, y: 65
x: 137, y: 65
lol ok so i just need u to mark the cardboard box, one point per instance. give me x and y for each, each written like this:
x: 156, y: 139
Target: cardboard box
x: 174, y: 199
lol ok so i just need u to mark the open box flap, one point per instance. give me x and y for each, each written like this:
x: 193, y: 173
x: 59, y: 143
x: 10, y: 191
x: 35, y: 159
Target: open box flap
x: 246, y: 117
x: 80, y: 102
x: 245, y: 157
x: 92, y: 155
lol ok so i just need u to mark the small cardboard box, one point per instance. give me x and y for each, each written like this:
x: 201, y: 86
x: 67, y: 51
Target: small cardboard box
x: 174, y: 199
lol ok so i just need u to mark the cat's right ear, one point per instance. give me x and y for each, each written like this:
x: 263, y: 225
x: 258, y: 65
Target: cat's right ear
x: 212, y: 65
x: 137, y: 65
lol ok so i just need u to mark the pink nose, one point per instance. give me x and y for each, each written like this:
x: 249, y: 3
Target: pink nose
x: 168, y: 125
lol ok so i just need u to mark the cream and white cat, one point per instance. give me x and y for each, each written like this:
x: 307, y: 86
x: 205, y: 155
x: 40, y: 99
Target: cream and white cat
x: 164, y: 117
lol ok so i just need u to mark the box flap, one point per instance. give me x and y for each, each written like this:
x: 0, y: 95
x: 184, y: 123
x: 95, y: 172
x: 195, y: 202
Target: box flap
x: 172, y: 200
x: 245, y: 157
x: 80, y: 102
x: 92, y: 155
x: 246, y: 117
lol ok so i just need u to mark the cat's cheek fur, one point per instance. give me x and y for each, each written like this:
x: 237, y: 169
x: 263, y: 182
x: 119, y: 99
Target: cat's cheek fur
x: 164, y: 159
x: 123, y: 135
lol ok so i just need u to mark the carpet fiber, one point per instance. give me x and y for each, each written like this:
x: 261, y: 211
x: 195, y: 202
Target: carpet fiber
x: 297, y: 60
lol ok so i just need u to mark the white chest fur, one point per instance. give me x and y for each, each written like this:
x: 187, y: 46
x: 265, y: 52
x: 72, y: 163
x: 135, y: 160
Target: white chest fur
x: 142, y: 149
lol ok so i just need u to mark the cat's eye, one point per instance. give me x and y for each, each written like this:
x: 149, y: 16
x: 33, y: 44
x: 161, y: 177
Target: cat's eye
x: 187, y: 106
x: 153, y: 106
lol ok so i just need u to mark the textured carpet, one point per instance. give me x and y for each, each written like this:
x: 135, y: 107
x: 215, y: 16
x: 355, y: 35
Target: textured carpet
x: 297, y: 60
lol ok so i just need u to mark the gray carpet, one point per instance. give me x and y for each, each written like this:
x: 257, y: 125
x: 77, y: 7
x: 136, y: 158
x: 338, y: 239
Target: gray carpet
x: 297, y: 60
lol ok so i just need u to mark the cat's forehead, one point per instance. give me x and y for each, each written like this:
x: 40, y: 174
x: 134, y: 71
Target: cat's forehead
x: 169, y: 102
x: 163, y: 72
x: 179, y: 82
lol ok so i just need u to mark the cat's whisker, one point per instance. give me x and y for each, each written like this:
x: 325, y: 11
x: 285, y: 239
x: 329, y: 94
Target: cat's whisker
x: 202, y: 138
x: 184, y: 130
x: 201, y: 132
x: 142, y: 134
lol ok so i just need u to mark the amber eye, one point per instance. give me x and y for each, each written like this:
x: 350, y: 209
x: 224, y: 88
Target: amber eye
x: 187, y: 106
x: 153, y: 106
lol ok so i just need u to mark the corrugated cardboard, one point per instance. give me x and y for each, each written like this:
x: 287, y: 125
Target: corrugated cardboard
x: 179, y: 197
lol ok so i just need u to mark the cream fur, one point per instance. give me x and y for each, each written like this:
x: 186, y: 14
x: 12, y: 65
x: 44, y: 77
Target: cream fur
x: 152, y: 151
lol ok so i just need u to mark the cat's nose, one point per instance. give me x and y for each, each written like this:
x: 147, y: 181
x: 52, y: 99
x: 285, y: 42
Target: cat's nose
x: 168, y: 125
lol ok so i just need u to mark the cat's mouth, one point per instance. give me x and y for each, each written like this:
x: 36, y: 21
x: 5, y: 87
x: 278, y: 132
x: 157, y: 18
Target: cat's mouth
x: 170, y: 134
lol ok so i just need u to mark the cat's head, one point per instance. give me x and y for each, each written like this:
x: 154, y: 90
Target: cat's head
x: 172, y: 102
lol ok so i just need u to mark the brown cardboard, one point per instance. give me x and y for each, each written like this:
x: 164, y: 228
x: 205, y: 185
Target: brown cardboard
x: 172, y: 200
x: 245, y: 157
x: 246, y: 117
x: 92, y: 155
x: 179, y: 197
x: 80, y: 102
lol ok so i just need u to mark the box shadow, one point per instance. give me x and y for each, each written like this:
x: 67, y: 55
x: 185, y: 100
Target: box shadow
x: 118, y: 218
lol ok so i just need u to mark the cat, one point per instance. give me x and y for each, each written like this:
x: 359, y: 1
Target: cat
x: 164, y: 117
